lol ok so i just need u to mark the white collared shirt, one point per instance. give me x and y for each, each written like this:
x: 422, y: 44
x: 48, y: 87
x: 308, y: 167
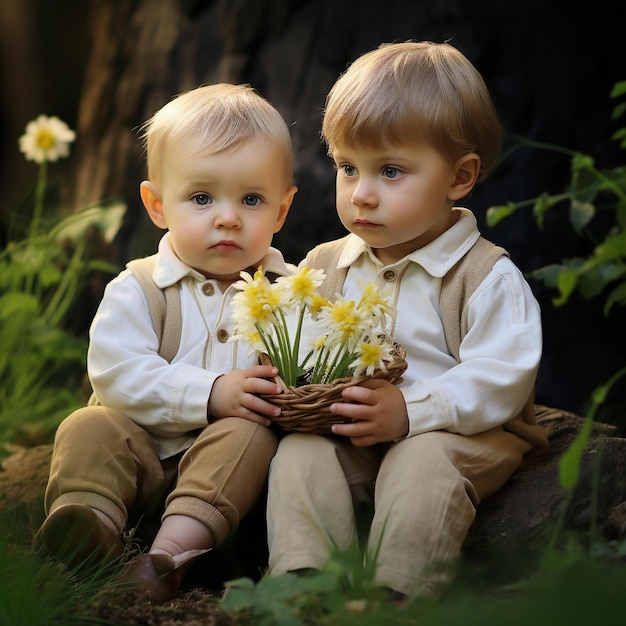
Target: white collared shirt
x: 500, y: 355
x: 169, y: 400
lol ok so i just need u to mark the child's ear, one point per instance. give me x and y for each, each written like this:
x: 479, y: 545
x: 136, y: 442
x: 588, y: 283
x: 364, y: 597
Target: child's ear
x: 466, y: 171
x: 151, y: 198
x: 284, y: 207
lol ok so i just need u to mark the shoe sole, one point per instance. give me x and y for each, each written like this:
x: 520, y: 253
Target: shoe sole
x: 75, y: 535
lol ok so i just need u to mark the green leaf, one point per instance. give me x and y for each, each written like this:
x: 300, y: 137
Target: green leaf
x: 617, y: 296
x: 16, y: 302
x: 107, y: 219
x: 569, y: 465
x: 97, y: 265
x: 580, y: 214
x: 619, y: 89
x: 563, y: 277
x: 582, y: 162
x: 593, y: 280
x: 278, y: 601
x: 613, y: 247
x: 544, y: 202
x: 618, y: 111
x: 599, y: 394
x: 620, y: 135
x: 496, y: 214
x: 566, y: 283
x: 620, y: 214
x: 49, y: 274
x: 548, y: 274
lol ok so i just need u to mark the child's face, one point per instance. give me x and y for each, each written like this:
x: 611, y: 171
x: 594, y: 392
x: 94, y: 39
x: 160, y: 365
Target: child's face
x: 222, y: 209
x: 397, y: 198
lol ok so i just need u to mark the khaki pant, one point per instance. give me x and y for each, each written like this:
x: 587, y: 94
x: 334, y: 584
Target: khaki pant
x: 105, y: 460
x: 421, y: 492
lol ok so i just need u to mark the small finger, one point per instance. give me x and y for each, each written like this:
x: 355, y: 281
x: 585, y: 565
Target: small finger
x: 264, y: 408
x: 345, y: 409
x: 345, y: 430
x: 263, y: 371
x: 356, y: 394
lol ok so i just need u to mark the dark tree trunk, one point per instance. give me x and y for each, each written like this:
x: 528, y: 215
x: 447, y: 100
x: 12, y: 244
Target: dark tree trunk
x: 550, y: 78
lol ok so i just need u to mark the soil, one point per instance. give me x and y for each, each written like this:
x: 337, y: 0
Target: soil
x: 196, y: 607
x: 199, y: 600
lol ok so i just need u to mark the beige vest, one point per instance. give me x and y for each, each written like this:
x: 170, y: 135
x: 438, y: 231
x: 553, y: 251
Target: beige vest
x: 457, y: 286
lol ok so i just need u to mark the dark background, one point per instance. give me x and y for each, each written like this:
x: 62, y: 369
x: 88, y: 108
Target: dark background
x: 104, y: 67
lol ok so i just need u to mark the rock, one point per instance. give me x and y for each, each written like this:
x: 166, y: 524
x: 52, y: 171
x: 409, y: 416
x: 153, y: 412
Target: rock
x: 518, y: 519
x: 522, y: 517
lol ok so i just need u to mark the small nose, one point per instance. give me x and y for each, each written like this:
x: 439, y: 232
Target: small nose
x: 227, y: 216
x: 364, y: 194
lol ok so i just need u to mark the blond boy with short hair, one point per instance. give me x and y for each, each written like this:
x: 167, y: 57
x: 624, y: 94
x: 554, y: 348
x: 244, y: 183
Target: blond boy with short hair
x: 411, y: 128
x: 193, y: 431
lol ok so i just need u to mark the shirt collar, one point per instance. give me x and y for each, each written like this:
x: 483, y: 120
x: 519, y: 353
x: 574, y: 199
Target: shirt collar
x: 169, y: 269
x: 437, y: 258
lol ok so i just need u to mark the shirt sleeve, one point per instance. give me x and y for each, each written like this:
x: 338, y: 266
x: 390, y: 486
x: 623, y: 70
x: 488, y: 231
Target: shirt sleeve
x: 128, y: 374
x: 499, y: 360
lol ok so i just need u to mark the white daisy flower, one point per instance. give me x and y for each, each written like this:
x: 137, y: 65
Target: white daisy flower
x: 46, y: 139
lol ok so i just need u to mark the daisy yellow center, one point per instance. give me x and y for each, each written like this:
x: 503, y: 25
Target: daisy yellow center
x: 370, y: 353
x: 259, y: 311
x: 346, y: 318
x: 45, y: 139
x: 302, y: 286
x: 317, y: 303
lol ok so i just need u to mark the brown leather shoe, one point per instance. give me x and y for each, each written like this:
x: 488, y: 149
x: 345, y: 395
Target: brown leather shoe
x: 76, y: 536
x: 152, y: 577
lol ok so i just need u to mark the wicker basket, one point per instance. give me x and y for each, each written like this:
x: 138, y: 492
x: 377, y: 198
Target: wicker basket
x: 306, y: 409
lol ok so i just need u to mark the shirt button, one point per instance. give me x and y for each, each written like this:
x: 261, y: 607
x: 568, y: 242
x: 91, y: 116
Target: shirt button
x: 222, y: 335
x: 208, y: 289
x: 389, y: 276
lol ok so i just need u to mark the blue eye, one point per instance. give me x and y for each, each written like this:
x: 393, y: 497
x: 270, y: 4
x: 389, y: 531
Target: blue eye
x: 348, y: 170
x: 390, y: 172
x: 251, y: 200
x: 201, y: 199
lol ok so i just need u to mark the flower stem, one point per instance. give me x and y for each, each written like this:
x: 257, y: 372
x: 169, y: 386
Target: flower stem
x: 40, y: 191
x: 296, y: 343
x: 65, y: 292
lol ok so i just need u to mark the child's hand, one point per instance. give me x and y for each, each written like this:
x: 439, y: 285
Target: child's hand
x: 234, y: 394
x: 378, y: 410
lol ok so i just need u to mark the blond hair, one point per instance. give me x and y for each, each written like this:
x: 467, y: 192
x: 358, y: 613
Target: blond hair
x: 414, y: 92
x: 217, y: 117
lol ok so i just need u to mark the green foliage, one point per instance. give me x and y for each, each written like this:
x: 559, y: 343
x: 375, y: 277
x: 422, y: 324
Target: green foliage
x: 41, y: 362
x: 570, y: 461
x: 35, y: 591
x: 571, y: 586
x: 591, y: 190
x: 343, y: 593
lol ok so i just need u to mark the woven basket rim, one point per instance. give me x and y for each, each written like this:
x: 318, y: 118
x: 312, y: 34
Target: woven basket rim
x: 307, y: 408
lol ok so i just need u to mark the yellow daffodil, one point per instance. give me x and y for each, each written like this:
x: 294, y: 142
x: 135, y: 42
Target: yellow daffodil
x: 255, y: 304
x: 371, y: 356
x: 345, y: 321
x: 318, y: 303
x: 263, y: 313
x: 301, y: 287
x: 319, y: 343
x: 375, y: 303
